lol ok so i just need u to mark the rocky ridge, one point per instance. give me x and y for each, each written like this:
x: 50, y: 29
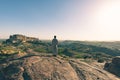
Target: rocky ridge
x: 47, y: 67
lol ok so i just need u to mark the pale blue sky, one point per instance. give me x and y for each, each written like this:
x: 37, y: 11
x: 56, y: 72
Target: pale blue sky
x: 68, y: 19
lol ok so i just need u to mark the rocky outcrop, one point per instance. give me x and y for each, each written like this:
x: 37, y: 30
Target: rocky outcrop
x: 114, y: 66
x: 36, y: 67
x: 17, y: 38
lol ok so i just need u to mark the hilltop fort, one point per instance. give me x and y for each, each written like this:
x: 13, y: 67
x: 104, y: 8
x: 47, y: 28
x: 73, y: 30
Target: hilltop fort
x: 17, y: 38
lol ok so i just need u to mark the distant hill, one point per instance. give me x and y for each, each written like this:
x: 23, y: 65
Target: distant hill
x: 111, y: 45
x: 78, y: 49
x: 1, y: 40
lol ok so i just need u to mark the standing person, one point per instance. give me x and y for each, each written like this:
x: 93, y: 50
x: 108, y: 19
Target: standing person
x: 54, y: 46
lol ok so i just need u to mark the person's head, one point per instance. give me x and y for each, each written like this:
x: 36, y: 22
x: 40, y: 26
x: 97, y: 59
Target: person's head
x: 54, y: 36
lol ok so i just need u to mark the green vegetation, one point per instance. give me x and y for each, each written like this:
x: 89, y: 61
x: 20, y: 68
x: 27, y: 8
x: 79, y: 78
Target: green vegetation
x: 99, y: 51
x: 82, y: 50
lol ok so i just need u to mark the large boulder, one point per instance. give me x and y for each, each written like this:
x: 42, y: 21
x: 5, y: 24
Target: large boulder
x: 114, y: 66
x: 36, y: 67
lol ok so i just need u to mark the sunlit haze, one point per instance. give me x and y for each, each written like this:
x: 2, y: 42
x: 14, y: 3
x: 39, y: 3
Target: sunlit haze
x: 97, y: 20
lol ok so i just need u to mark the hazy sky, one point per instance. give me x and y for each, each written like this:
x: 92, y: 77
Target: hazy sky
x: 68, y: 19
